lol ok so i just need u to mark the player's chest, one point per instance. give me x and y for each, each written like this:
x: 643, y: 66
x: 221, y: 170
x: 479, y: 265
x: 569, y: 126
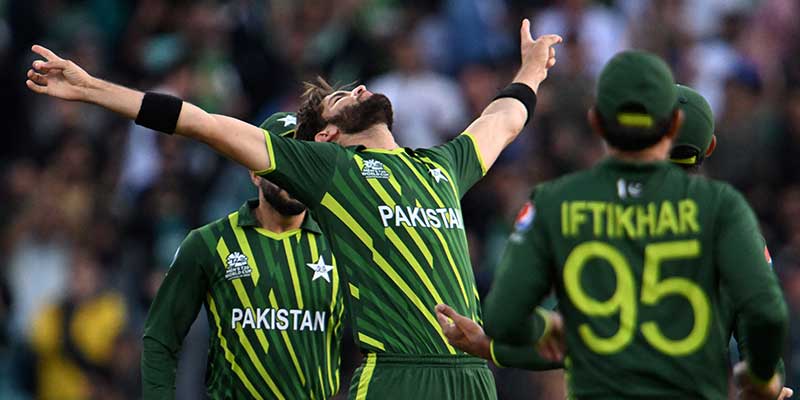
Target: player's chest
x: 399, y: 179
x: 296, y: 272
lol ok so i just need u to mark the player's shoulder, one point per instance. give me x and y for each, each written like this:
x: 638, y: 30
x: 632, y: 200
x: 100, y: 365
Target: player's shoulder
x: 211, y: 231
x: 564, y: 186
x: 713, y: 189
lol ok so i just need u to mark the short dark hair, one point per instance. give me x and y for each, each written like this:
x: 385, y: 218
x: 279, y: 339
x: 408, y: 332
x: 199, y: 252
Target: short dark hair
x: 309, y: 116
x: 633, y: 138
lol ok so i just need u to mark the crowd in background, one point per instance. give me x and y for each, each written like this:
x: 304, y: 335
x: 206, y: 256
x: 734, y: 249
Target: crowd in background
x: 94, y: 207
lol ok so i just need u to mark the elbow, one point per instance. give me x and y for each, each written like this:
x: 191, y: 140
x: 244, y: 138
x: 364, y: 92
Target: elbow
x: 770, y: 320
x: 502, y: 329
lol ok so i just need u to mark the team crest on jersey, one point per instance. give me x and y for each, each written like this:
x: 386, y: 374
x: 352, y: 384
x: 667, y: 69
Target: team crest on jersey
x: 437, y: 175
x: 237, y: 266
x: 525, y: 217
x: 374, y: 169
x: 321, y: 269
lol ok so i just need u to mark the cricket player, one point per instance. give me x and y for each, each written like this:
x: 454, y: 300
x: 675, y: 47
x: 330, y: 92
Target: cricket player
x: 695, y: 142
x: 392, y: 214
x: 638, y: 252
x: 269, y: 284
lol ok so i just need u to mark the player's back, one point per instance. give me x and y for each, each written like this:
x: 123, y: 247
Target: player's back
x: 638, y: 281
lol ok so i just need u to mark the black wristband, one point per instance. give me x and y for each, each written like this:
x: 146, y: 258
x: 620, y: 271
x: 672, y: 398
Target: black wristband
x: 159, y: 112
x: 521, y: 92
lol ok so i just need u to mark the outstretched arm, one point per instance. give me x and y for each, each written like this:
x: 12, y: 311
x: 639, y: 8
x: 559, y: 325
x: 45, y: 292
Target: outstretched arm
x: 503, y: 119
x: 237, y: 140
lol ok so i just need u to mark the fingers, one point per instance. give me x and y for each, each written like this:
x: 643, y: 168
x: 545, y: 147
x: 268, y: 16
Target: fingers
x: 45, y: 67
x: 37, y: 78
x: 445, y: 322
x: 549, y: 40
x: 36, y: 88
x: 525, y: 31
x: 451, y: 332
x: 45, y: 52
x: 453, y: 314
x: 786, y: 393
x: 552, y: 60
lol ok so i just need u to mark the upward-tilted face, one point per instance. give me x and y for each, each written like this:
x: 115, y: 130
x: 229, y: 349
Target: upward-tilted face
x: 356, y: 110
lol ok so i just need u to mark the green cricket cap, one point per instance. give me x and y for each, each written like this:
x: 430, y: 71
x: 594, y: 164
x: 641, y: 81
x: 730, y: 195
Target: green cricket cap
x: 281, y: 124
x: 698, y: 125
x: 639, y: 81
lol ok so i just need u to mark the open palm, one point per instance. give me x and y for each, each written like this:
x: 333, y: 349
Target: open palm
x: 57, y: 77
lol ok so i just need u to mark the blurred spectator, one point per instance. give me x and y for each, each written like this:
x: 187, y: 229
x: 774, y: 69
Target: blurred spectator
x: 75, y: 339
x: 74, y: 174
x: 599, y: 29
x: 428, y: 107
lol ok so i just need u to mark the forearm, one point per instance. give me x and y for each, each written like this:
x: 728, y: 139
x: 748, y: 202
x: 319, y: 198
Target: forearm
x: 741, y: 345
x: 159, y: 366
x: 235, y: 139
x: 764, y: 327
x: 119, y: 99
x: 511, y: 322
x: 524, y: 357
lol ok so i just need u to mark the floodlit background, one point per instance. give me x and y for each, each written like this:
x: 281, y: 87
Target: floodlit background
x: 94, y: 207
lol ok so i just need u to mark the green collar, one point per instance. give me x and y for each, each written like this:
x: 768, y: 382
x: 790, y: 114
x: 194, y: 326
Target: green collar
x: 248, y: 218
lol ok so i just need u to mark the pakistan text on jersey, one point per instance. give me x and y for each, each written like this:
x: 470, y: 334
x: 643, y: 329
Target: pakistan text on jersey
x: 418, y: 217
x: 613, y: 220
x: 281, y: 319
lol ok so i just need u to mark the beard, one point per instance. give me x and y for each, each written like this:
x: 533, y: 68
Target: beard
x: 280, y: 200
x: 359, y: 117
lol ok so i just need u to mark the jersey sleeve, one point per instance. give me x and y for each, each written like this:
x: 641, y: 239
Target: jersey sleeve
x: 523, y: 279
x: 754, y: 291
x: 304, y: 169
x: 738, y: 332
x: 464, y: 158
x: 171, y: 314
x: 523, y: 357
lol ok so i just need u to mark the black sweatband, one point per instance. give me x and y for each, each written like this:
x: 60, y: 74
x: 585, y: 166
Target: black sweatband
x: 159, y: 112
x: 521, y: 92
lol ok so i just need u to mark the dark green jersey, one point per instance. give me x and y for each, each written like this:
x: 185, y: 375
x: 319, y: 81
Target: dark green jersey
x: 394, y: 221
x: 637, y: 254
x: 274, y: 304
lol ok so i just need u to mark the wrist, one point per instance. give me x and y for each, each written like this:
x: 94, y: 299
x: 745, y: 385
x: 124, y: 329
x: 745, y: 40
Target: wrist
x: 92, y: 91
x: 530, y: 78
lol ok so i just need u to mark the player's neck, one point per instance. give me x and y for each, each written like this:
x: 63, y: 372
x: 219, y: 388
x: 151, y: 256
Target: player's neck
x: 270, y: 219
x: 658, y: 152
x: 375, y: 137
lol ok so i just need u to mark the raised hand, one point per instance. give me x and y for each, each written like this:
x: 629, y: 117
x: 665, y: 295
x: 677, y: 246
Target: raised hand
x: 537, y: 56
x: 463, y: 333
x: 57, y: 77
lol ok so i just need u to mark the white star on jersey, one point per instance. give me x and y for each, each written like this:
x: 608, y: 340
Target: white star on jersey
x: 288, y: 120
x: 321, y: 269
x: 437, y: 175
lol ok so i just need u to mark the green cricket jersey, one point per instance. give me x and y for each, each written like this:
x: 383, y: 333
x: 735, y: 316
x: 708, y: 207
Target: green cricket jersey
x: 637, y: 254
x: 394, y: 221
x: 274, y: 304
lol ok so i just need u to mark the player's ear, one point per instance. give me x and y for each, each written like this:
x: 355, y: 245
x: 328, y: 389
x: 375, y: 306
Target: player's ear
x: 675, y: 124
x: 329, y: 134
x: 594, y: 122
x: 711, y: 146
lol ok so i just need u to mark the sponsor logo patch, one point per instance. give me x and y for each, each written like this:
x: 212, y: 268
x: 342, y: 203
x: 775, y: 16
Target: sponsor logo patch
x: 374, y: 169
x: 237, y: 266
x: 525, y: 217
